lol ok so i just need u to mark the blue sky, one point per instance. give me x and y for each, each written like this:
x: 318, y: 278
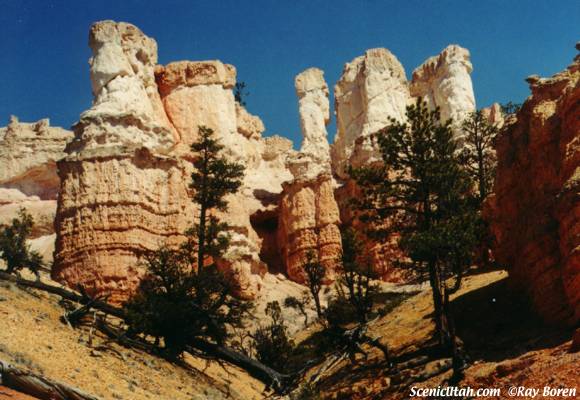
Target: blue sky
x: 44, y: 51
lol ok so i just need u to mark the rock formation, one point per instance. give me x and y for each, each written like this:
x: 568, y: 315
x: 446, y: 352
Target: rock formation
x: 444, y: 81
x: 535, y: 212
x: 121, y: 194
x: 28, y: 154
x: 494, y: 115
x: 372, y: 89
x: 309, y: 214
x: 125, y: 179
x: 28, y: 177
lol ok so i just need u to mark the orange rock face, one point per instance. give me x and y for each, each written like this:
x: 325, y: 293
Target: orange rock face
x: 382, y: 256
x: 535, y: 212
x: 102, y: 232
x: 125, y: 178
x: 309, y: 219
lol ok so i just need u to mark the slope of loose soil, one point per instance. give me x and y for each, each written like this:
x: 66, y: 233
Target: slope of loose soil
x: 31, y: 336
x: 507, y: 344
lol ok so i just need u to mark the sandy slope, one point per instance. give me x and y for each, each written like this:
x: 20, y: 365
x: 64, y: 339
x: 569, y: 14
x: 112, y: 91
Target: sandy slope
x: 32, y: 336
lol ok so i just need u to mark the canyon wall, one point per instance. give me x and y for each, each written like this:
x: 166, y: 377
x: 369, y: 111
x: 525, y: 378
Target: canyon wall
x: 309, y: 215
x: 535, y: 211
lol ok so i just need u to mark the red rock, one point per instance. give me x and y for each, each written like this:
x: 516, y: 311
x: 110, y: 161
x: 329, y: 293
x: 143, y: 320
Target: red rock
x: 535, y: 211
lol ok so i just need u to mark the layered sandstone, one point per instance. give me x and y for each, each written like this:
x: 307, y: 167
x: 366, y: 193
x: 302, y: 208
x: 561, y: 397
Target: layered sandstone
x: 309, y: 215
x: 125, y: 180
x: 199, y: 93
x: 28, y: 177
x: 535, y: 212
x: 121, y: 194
x: 28, y: 155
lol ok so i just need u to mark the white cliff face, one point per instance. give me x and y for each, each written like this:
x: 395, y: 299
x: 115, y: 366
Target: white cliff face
x: 28, y: 178
x: 444, y: 81
x: 314, y: 108
x: 127, y: 110
x: 199, y: 93
x: 372, y: 90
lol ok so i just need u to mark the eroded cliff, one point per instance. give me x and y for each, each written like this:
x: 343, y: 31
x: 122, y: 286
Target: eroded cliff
x: 535, y: 211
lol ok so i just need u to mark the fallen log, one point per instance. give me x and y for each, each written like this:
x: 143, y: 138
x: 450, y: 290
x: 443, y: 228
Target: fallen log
x: 64, y: 293
x: 38, y: 386
x: 280, y: 383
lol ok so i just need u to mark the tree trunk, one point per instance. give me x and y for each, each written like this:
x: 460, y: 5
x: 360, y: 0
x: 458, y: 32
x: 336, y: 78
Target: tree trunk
x: 37, y: 386
x: 273, y: 379
x: 201, y: 238
x: 439, y: 304
x: 65, y: 294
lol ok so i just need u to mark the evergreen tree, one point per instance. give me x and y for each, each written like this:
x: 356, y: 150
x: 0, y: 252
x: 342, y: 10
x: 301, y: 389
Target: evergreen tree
x: 14, y: 249
x: 184, y: 295
x: 478, y: 155
x: 424, y: 192
x: 315, y: 273
x: 272, y: 343
x: 356, y: 275
x: 213, y: 178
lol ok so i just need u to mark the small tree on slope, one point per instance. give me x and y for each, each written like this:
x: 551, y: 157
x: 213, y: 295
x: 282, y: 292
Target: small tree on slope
x: 14, y: 250
x: 424, y: 192
x: 184, y: 295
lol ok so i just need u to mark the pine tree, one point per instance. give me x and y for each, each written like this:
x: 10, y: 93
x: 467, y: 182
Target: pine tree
x: 184, y: 295
x: 214, y: 177
x: 356, y: 275
x: 478, y: 154
x: 272, y: 343
x: 424, y: 192
x: 15, y: 250
x: 315, y: 273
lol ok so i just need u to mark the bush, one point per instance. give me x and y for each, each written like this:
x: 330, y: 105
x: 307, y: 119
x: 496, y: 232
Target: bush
x: 299, y: 305
x: 15, y: 250
x: 180, y: 305
x: 340, y: 312
x: 272, y: 344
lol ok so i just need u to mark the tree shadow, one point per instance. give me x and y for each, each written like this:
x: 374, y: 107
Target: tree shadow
x: 497, y: 323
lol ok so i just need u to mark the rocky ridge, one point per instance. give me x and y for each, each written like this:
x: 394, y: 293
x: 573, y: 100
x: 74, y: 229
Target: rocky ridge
x: 124, y: 180
x: 28, y: 176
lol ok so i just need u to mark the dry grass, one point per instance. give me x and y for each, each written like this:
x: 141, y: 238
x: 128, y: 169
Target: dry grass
x: 32, y: 336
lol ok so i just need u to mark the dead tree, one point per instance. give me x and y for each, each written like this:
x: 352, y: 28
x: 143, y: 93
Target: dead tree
x: 37, y: 386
